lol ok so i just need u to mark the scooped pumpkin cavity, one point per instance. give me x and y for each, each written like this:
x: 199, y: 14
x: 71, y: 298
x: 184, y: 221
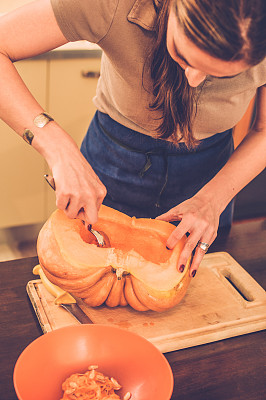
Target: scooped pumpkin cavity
x: 138, y: 258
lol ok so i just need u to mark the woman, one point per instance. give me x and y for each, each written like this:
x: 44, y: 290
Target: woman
x: 176, y: 77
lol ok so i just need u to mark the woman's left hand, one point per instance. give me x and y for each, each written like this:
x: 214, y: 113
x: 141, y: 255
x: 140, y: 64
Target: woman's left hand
x: 200, y: 219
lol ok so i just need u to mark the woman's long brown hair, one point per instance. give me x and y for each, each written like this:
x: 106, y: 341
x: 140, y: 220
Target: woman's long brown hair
x: 228, y: 31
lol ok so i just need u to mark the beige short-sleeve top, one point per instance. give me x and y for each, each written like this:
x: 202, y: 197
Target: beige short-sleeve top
x: 124, y: 30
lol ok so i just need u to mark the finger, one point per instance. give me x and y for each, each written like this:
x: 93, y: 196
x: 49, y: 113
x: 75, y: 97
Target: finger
x: 187, y: 252
x: 199, y: 253
x: 90, y: 214
x: 177, y: 235
x: 197, y: 259
x: 101, y: 198
x: 62, y: 201
x: 190, y: 249
x: 169, y: 216
x: 73, y: 207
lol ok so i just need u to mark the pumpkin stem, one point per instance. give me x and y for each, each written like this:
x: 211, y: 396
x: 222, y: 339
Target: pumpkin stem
x: 119, y: 273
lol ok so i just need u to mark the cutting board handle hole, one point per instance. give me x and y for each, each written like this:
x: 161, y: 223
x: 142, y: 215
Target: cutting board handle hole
x: 246, y: 296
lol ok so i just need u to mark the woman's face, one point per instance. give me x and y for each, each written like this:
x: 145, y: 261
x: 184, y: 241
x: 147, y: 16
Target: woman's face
x: 196, y: 63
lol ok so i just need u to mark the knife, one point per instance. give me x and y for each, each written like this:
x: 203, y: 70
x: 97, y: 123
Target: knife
x: 63, y: 298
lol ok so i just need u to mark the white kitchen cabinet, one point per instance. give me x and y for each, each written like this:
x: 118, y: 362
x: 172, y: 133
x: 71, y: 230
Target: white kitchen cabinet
x: 59, y: 86
x: 70, y: 97
x: 22, y: 199
x: 70, y: 93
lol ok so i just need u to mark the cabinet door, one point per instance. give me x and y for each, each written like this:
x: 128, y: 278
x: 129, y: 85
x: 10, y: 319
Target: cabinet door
x: 72, y: 85
x: 22, y: 168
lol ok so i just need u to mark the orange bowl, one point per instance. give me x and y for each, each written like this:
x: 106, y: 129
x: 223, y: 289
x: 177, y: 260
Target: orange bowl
x: 133, y: 361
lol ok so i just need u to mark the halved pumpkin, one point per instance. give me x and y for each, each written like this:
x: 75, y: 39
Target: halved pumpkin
x: 137, y: 269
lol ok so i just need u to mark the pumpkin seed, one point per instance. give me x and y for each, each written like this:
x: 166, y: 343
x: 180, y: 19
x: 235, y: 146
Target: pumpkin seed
x: 115, y: 382
x: 100, y: 378
x: 69, y: 391
x: 93, y: 367
x: 92, y: 374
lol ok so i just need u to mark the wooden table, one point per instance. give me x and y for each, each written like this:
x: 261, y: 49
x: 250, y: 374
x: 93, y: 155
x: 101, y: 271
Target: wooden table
x: 231, y: 369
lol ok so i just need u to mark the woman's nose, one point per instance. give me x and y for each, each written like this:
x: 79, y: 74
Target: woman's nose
x: 194, y: 76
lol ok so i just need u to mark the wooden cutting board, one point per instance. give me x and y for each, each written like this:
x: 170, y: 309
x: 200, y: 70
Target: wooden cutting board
x: 221, y: 302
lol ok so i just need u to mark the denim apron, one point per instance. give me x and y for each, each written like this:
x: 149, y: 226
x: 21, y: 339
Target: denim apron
x: 146, y: 177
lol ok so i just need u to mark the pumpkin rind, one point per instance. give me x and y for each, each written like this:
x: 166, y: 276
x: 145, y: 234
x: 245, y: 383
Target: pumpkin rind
x: 137, y: 269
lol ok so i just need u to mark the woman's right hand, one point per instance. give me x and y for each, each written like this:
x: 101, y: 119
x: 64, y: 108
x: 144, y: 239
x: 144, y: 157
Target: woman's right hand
x: 79, y: 191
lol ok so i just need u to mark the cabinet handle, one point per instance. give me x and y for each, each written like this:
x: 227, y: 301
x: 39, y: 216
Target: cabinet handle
x: 90, y: 74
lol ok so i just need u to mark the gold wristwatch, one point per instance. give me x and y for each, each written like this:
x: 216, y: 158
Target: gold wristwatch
x: 40, y: 121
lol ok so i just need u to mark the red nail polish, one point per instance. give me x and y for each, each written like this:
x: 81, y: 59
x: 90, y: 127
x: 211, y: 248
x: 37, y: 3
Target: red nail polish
x: 193, y: 273
x: 181, y: 268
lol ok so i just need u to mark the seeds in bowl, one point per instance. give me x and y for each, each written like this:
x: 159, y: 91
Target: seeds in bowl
x: 92, y: 385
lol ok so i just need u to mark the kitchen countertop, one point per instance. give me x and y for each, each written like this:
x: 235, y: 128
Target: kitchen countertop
x: 231, y: 369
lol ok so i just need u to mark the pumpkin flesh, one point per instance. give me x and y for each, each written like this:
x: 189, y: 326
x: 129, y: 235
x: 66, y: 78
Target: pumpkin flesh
x: 138, y: 259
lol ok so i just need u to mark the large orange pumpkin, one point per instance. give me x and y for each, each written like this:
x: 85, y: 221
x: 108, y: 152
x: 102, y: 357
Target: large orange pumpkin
x: 137, y: 269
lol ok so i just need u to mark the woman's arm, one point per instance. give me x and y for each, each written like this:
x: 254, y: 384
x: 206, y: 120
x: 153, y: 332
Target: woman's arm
x: 200, y: 215
x: 26, y: 32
